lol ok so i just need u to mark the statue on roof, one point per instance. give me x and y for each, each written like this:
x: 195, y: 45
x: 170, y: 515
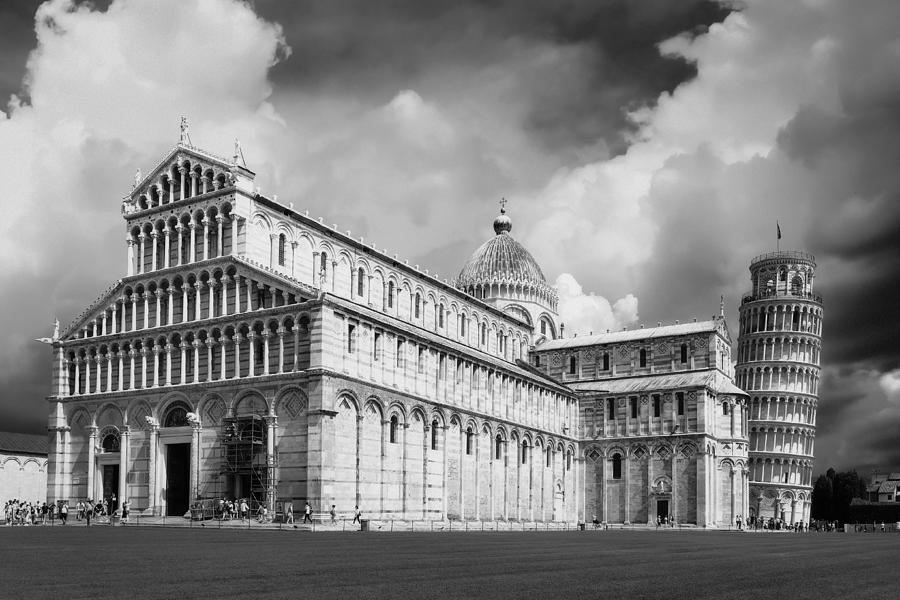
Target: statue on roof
x: 185, y: 138
x: 137, y: 178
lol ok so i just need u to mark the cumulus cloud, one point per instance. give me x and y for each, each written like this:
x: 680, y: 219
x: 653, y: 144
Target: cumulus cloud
x: 585, y: 313
x: 105, y: 93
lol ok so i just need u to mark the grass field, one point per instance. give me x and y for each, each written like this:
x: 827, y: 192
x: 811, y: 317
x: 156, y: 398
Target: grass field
x: 122, y: 563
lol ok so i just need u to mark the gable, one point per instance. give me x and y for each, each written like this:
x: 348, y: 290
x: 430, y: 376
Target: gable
x: 185, y: 172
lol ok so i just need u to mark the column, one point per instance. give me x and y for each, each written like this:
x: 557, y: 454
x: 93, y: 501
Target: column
x: 87, y: 374
x: 154, y: 236
x: 103, y: 323
x: 121, y: 385
x: 77, y: 362
x: 151, y: 467
x: 113, y: 317
x: 206, y: 183
x: 196, y: 431
x: 224, y: 311
x: 131, y: 354
x: 209, y: 358
x: 156, y: 351
x: 169, y: 348
x: 281, y: 333
x: 266, y: 334
x: 315, y: 270
x: 196, y: 374
x: 130, y: 266
x: 237, y: 293
x: 170, y: 317
x: 179, y: 229
x: 124, y: 326
x: 108, y: 372
x: 123, y: 463
x: 224, y: 345
x: 205, y: 238
x: 219, y: 242
x: 626, y: 463
x: 251, y: 336
x: 142, y: 237
x: 193, y: 184
x: 193, y: 253
x: 91, y: 467
x: 167, y: 246
x: 184, y: 346
x: 181, y: 171
x: 158, y: 293
x: 234, y: 234
x: 197, y: 296
x: 297, y: 346
x: 185, y: 304
x: 237, y: 354
x: 146, y: 298
x: 144, y: 367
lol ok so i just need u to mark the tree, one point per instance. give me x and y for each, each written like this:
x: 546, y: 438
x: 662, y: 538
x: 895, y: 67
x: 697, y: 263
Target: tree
x: 823, y: 499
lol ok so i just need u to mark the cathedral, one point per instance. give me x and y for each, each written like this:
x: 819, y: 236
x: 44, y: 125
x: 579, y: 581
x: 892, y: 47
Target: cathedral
x: 251, y: 351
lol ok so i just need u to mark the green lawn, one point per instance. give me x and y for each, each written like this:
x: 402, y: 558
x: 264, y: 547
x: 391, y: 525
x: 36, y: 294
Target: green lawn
x: 123, y: 563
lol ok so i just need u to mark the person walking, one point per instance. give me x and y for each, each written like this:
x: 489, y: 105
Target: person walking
x: 307, y: 510
x: 64, y: 512
x: 88, y: 511
x: 333, y: 515
x: 289, y: 513
x: 126, y: 507
x: 245, y: 514
x: 357, y: 515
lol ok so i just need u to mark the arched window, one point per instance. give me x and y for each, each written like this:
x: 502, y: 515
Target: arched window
x: 440, y: 315
x: 796, y: 285
x: 543, y: 327
x: 462, y: 325
x: 606, y: 361
x: 683, y: 353
x: 323, y: 269
x: 176, y: 415
x: 282, y: 249
x: 725, y: 408
x: 390, y: 298
x: 434, y: 435
x: 109, y: 441
x: 524, y: 452
x: 393, y: 431
x: 360, y: 276
x: 418, y: 307
x: 679, y: 397
x: 483, y: 334
x: 610, y: 408
x: 656, y: 405
x: 617, y: 466
x: 549, y: 456
x: 569, y: 460
x: 469, y: 436
x: 782, y: 274
x: 573, y: 364
x: 643, y: 357
x: 498, y: 447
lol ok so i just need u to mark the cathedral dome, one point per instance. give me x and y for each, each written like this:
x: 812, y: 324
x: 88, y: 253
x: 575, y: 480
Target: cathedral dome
x: 501, y: 260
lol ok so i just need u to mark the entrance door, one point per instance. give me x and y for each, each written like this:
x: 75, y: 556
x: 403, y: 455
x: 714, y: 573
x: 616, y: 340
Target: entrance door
x: 178, y: 476
x: 111, y: 486
x: 662, y: 510
x: 559, y: 504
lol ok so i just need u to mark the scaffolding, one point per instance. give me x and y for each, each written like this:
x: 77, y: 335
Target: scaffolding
x: 249, y: 469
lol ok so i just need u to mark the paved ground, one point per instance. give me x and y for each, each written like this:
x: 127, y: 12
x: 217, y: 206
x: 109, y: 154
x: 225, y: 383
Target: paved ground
x: 130, y: 562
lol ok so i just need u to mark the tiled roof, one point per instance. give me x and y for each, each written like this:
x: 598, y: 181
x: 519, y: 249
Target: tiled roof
x: 714, y: 380
x: 501, y: 259
x: 629, y: 335
x: 23, y: 443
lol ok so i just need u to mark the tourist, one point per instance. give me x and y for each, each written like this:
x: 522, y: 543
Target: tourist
x: 289, y: 513
x: 63, y: 512
x: 333, y: 514
x: 262, y: 513
x: 307, y: 510
x: 357, y: 515
x: 126, y: 505
x: 245, y: 510
x: 597, y: 523
x: 88, y: 511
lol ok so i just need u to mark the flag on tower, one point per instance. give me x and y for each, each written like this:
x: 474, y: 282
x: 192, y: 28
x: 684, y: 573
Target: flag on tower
x: 778, y: 228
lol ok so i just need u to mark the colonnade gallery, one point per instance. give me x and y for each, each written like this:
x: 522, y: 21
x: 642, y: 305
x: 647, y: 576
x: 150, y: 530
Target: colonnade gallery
x: 251, y: 351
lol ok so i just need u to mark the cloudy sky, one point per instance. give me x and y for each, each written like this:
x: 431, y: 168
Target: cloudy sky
x: 647, y: 149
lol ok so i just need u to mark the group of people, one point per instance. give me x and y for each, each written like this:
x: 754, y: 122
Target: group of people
x: 240, y: 509
x: 20, y: 512
x: 773, y: 524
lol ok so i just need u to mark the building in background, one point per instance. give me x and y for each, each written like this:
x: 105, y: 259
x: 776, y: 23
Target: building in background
x: 23, y: 467
x: 779, y: 349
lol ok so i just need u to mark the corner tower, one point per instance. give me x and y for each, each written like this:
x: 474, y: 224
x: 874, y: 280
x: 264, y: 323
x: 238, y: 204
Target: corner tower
x: 501, y: 272
x: 778, y: 362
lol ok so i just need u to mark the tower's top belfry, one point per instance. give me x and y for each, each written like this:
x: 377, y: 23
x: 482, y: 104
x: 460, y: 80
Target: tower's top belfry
x: 783, y: 273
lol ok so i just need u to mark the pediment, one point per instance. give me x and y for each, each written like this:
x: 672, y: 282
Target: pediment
x: 94, y: 311
x: 196, y: 170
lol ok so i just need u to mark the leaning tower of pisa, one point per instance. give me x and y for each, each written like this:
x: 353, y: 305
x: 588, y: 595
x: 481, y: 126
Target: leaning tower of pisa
x: 778, y: 366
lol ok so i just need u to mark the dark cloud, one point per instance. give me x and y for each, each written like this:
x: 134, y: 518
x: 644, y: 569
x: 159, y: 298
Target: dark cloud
x: 590, y: 60
x: 16, y: 41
